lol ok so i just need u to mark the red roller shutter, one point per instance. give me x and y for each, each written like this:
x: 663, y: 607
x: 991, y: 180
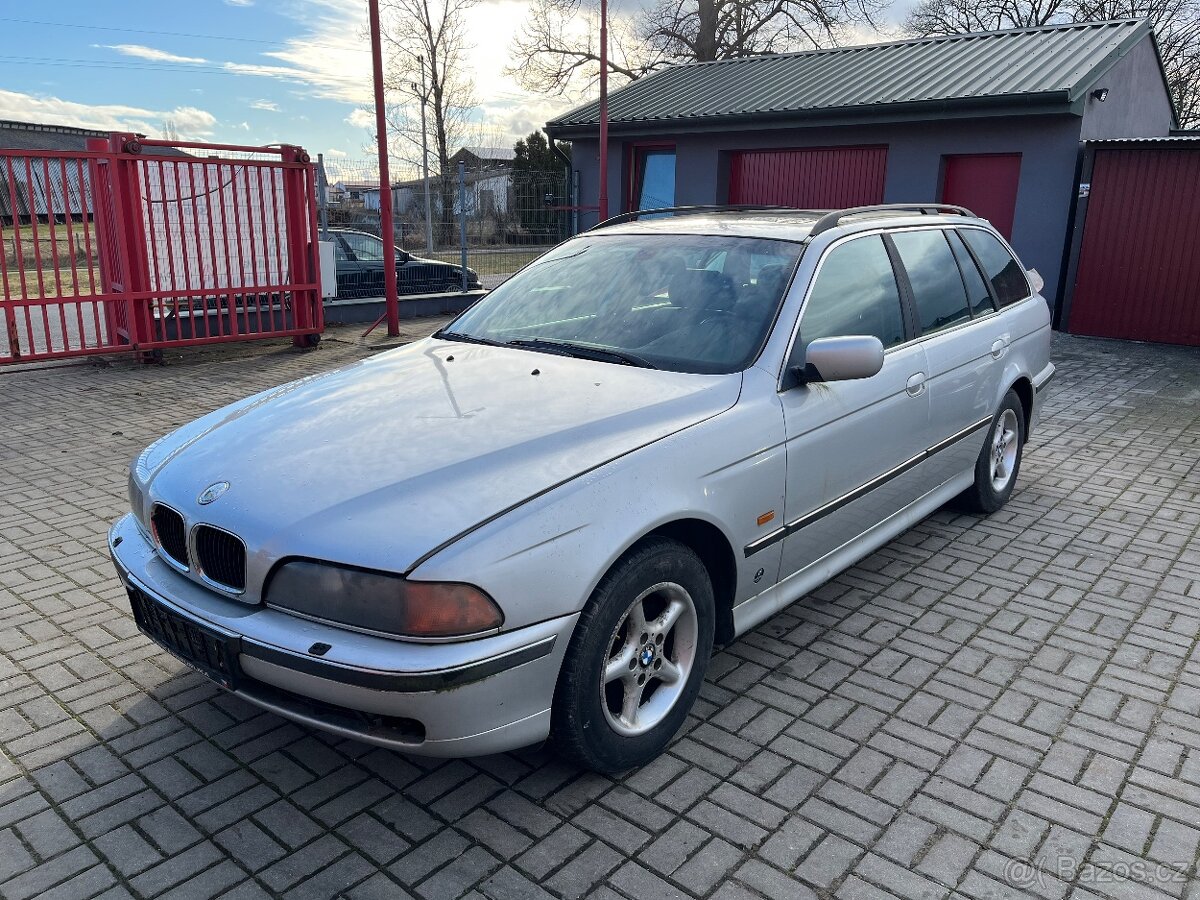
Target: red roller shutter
x: 825, y: 178
x: 1139, y: 264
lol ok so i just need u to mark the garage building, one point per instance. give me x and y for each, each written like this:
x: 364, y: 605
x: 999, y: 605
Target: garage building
x: 993, y: 121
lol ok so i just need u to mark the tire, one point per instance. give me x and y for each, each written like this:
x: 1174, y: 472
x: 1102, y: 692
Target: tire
x: 999, y: 461
x: 594, y: 722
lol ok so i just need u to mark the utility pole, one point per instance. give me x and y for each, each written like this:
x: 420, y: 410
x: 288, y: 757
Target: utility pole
x: 425, y: 160
x: 391, y: 301
x: 603, y: 201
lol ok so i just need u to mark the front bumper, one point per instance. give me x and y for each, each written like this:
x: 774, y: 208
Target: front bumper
x: 464, y: 698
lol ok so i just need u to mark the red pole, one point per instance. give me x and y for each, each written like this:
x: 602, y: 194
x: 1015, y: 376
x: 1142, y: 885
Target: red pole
x: 385, y: 183
x: 603, y: 110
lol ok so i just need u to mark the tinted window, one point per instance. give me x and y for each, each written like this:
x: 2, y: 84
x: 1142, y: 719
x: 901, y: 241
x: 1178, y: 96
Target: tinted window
x: 679, y: 302
x: 855, y: 293
x: 1005, y: 273
x: 977, y: 290
x: 936, y: 284
x: 364, y: 246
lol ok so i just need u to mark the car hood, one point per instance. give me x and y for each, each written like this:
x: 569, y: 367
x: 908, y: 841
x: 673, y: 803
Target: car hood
x: 384, y: 461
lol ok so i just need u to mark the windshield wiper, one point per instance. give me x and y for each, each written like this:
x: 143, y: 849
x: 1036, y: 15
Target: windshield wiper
x: 467, y: 338
x: 583, y: 351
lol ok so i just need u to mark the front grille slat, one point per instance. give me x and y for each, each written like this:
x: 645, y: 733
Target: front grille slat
x: 221, y: 557
x: 171, y: 533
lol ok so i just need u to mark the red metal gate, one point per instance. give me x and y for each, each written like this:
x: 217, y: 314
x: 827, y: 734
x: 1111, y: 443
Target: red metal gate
x: 817, y: 178
x: 140, y: 245
x: 1138, y: 273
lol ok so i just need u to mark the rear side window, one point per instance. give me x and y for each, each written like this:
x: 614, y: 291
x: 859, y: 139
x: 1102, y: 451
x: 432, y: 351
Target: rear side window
x: 977, y: 290
x: 937, y: 286
x: 855, y: 293
x: 1004, y: 272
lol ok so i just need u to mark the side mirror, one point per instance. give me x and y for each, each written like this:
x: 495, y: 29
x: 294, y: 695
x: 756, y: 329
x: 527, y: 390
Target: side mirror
x: 842, y: 358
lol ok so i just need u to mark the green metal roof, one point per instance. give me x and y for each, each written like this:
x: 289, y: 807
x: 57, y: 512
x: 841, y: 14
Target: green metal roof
x: 1052, y: 65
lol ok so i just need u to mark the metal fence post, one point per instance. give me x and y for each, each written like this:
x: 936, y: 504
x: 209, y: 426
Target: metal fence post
x: 462, y: 218
x: 574, y: 201
x: 323, y: 196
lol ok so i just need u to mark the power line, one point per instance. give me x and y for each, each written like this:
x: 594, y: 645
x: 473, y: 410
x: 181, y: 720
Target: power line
x: 185, y: 34
x: 122, y: 66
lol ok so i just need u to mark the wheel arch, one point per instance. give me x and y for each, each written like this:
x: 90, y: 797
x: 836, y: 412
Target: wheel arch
x: 716, y: 553
x: 1024, y: 391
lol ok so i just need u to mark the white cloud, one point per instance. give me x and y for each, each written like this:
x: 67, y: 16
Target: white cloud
x: 326, y: 58
x: 191, y: 122
x: 268, y: 105
x: 339, y: 154
x: 360, y: 118
x: 239, y: 2
x: 152, y: 53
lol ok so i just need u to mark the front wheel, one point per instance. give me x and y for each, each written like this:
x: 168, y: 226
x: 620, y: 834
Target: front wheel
x: 636, y: 660
x: 1000, y: 459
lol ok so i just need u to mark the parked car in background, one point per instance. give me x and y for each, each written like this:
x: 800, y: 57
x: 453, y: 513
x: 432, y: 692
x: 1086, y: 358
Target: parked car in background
x: 360, y: 268
x: 646, y: 442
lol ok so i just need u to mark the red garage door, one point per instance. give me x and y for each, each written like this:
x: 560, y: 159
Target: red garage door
x: 986, y: 185
x: 828, y: 178
x: 1139, y: 263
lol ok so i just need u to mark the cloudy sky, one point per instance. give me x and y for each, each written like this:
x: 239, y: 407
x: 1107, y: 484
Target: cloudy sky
x: 232, y: 71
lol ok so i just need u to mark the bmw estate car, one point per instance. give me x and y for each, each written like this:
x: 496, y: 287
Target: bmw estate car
x: 539, y: 522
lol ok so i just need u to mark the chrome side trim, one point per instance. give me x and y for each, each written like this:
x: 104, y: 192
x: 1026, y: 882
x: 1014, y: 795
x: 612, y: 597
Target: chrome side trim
x: 862, y: 490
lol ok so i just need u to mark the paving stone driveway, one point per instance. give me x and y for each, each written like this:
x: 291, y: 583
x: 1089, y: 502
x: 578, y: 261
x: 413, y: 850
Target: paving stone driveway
x: 984, y: 708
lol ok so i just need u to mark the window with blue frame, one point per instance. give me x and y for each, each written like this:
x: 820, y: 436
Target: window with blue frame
x: 653, y: 178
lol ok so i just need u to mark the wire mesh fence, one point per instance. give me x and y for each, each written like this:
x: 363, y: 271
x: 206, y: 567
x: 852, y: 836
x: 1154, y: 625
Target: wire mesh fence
x: 504, y: 214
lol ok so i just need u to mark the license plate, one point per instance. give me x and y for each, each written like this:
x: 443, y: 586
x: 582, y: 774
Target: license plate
x: 210, y: 653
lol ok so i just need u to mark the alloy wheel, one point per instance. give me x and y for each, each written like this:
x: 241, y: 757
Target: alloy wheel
x: 651, y: 654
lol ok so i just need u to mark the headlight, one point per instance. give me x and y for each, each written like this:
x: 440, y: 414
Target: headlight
x: 381, y: 602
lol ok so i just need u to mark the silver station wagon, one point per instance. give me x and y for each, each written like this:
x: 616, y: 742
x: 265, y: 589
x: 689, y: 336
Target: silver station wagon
x: 538, y: 522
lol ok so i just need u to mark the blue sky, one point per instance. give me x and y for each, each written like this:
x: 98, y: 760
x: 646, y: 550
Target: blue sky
x: 237, y: 71
x: 231, y: 71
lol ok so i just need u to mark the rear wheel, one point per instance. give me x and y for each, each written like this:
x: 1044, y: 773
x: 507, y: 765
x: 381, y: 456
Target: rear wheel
x: 636, y: 660
x: 1000, y: 459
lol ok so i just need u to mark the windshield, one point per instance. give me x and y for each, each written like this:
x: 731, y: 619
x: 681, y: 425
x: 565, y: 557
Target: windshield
x: 687, y: 303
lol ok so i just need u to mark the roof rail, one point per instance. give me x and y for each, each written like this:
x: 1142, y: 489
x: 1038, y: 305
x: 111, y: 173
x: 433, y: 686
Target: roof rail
x: 833, y: 219
x: 636, y: 214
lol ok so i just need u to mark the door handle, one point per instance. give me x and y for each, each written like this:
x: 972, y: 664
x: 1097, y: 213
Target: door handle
x: 916, y: 384
x: 999, y: 347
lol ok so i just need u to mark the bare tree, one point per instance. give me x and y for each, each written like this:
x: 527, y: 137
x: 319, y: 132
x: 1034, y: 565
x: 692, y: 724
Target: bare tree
x: 1176, y: 27
x: 428, y: 47
x: 557, y: 47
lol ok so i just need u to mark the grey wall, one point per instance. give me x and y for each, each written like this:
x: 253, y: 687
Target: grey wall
x: 1138, y: 104
x: 1049, y: 146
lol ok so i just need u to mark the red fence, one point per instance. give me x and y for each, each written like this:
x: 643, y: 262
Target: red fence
x: 141, y: 245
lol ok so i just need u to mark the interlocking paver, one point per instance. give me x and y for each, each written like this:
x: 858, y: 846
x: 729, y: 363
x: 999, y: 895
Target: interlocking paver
x: 986, y: 707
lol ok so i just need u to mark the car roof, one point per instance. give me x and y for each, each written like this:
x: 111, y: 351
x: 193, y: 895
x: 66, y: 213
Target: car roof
x: 780, y: 223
